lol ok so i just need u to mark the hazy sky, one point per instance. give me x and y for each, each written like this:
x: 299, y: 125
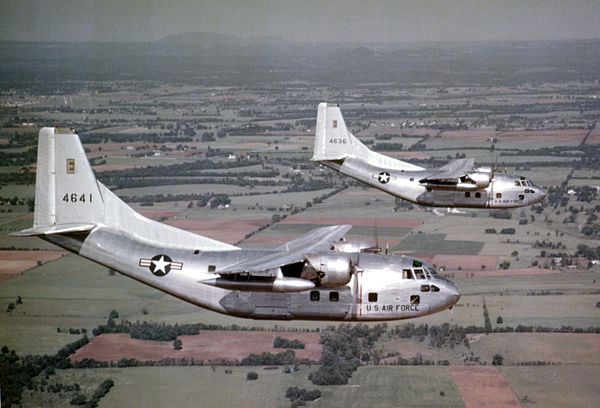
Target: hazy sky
x: 302, y: 20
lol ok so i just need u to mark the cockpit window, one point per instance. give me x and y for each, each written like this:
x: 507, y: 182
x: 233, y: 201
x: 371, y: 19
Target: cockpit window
x: 419, y: 273
x: 518, y: 183
x: 407, y: 274
x: 430, y: 270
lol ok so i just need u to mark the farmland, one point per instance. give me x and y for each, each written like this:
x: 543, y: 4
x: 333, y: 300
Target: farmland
x: 227, y: 155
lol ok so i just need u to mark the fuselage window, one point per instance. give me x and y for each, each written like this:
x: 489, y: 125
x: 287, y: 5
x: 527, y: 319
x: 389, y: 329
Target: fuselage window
x: 517, y: 183
x: 196, y: 251
x: 498, y: 195
x: 424, y: 288
x: 415, y: 299
x: 521, y: 197
x: 412, y: 179
x: 372, y: 297
x: 212, y: 268
x: 477, y: 195
x: 419, y: 273
x: 434, y: 288
x: 407, y: 274
x: 467, y: 194
x: 315, y: 295
x: 334, y: 296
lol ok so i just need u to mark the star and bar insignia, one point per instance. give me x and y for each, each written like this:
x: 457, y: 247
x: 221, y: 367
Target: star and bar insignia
x: 160, y: 265
x: 383, y: 177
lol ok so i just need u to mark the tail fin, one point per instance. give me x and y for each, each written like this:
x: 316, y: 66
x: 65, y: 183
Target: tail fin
x: 68, y: 198
x: 333, y: 141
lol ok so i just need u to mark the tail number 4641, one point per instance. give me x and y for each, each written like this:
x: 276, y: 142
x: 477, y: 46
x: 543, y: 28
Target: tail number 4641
x: 77, y: 198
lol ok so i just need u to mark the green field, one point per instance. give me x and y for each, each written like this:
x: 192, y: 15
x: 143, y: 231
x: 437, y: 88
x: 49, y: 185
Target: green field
x: 555, y: 386
x: 394, y: 387
x: 437, y: 244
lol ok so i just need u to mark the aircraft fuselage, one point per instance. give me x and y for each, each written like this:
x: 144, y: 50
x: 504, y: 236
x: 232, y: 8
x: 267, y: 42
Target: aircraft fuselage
x: 383, y: 287
x: 503, y: 191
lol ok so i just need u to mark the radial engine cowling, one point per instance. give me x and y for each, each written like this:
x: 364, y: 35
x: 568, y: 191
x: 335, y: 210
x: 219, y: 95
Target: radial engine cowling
x: 330, y: 269
x: 474, y: 181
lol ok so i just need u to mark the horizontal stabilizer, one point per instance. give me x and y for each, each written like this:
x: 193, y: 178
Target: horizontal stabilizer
x: 54, y: 229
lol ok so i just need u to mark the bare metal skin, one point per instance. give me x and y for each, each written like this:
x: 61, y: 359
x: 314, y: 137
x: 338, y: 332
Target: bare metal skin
x: 457, y: 184
x: 317, y: 276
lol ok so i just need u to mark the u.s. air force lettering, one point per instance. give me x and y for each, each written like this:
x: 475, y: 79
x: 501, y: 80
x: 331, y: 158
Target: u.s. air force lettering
x: 160, y: 265
x: 392, y: 308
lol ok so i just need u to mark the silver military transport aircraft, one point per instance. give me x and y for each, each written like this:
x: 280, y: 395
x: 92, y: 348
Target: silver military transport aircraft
x: 457, y: 184
x: 310, y: 277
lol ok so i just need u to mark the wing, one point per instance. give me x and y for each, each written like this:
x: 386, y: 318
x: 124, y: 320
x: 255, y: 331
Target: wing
x: 452, y: 170
x: 292, y: 252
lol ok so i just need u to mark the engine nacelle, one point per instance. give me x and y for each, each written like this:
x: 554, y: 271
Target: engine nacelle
x: 474, y: 181
x: 330, y: 269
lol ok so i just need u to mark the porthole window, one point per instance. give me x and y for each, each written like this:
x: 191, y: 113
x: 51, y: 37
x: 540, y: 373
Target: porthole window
x: 425, y: 288
x: 212, y: 268
x: 434, y: 288
x: 498, y: 195
x: 477, y: 195
x: 372, y: 297
x: 467, y: 194
x: 315, y: 295
x: 334, y: 297
x: 415, y: 299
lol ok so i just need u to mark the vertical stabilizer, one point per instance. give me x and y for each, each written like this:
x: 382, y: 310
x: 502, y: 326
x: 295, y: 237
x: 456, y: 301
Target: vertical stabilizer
x: 332, y: 139
x: 66, y: 191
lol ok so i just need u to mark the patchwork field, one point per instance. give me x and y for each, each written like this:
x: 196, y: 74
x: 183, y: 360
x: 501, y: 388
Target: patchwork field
x: 554, y: 348
x: 208, y: 345
x: 15, y: 262
x: 483, y: 387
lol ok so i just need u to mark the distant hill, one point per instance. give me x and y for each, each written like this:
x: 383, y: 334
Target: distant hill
x: 204, y: 39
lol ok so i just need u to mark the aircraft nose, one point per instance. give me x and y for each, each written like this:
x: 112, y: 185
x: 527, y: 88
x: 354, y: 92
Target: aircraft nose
x: 540, y: 194
x: 454, y: 293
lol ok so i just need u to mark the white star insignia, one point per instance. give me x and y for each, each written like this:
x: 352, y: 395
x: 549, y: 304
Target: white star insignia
x: 383, y: 177
x: 160, y: 265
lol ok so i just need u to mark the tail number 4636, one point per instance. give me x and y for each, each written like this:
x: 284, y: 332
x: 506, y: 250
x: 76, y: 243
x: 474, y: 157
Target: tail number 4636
x: 77, y: 198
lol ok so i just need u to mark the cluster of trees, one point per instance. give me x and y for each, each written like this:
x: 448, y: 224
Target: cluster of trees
x: 154, y: 138
x: 300, y: 184
x: 287, y: 357
x: 17, y: 373
x: 281, y: 342
x: 100, y: 392
x: 501, y: 214
x: 25, y: 158
x: 444, y: 335
x: 162, y: 331
x: 299, y: 396
x: 389, y: 147
x: 588, y: 252
x: 343, y: 348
